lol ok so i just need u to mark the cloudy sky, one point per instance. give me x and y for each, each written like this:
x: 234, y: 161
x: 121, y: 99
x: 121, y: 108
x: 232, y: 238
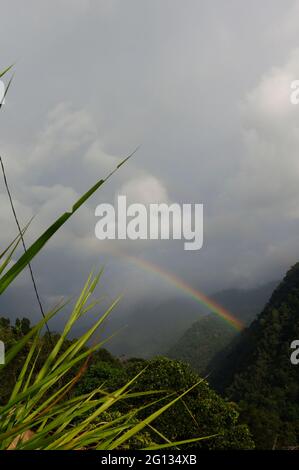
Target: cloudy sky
x: 202, y: 85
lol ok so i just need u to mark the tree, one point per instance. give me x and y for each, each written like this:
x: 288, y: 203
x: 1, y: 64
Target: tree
x: 201, y: 412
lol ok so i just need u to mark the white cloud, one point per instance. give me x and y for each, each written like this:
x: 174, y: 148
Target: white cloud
x: 68, y: 140
x: 144, y: 189
x: 267, y: 180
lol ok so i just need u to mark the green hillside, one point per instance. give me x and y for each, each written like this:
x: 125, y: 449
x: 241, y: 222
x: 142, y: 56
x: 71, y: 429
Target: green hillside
x: 258, y: 373
x: 204, y: 344
x: 207, y: 337
x: 152, y: 328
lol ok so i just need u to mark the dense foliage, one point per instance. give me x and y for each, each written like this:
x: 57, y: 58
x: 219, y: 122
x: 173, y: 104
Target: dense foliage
x: 201, y: 413
x: 259, y: 372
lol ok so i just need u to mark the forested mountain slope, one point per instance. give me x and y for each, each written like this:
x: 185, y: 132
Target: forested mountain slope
x: 258, y: 373
x: 204, y: 344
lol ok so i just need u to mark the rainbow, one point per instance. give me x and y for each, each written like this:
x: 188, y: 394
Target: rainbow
x: 186, y: 288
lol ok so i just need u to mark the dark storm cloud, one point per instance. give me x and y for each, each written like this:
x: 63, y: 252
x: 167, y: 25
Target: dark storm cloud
x: 202, y: 85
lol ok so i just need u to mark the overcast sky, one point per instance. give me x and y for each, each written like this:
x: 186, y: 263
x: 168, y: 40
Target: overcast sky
x: 202, y: 85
